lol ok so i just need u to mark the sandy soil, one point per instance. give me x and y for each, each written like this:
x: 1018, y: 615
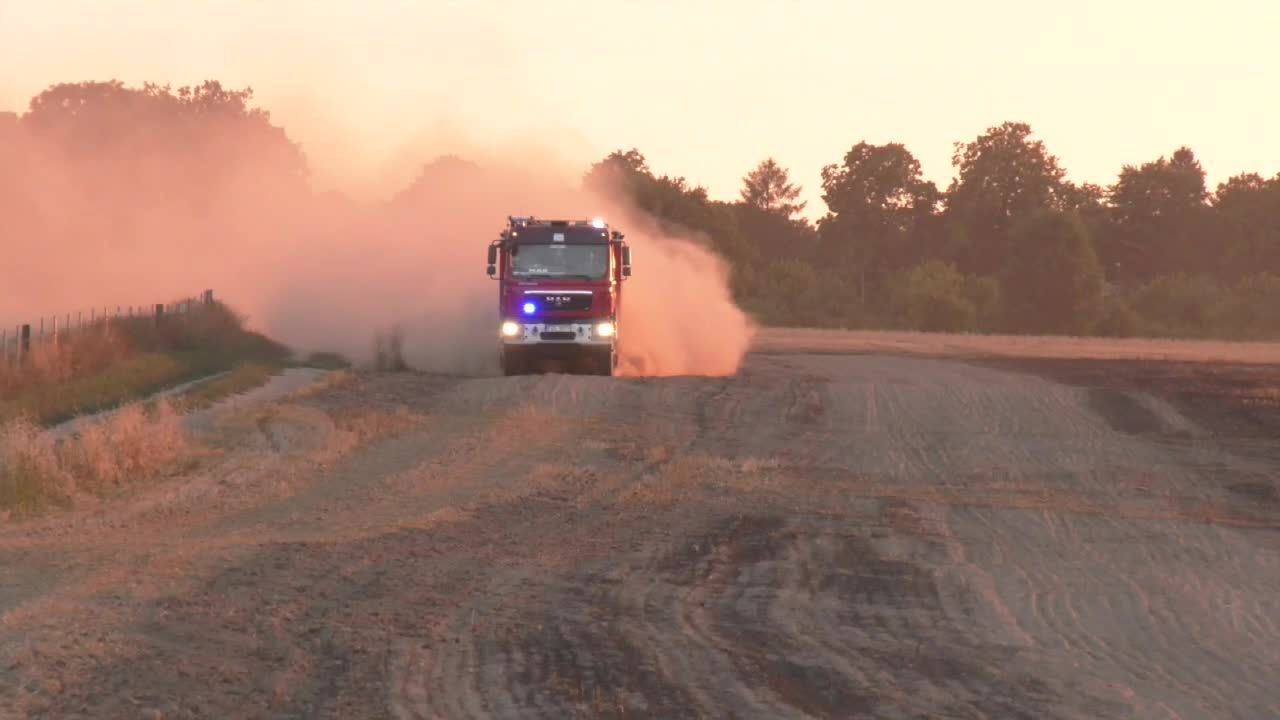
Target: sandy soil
x: 821, y: 535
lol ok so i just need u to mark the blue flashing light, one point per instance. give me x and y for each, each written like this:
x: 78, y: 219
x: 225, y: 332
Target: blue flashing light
x: 529, y: 308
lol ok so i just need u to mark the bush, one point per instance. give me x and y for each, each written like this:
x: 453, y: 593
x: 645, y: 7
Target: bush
x: 934, y: 296
x: 1178, y: 305
x: 1251, y: 308
x: 984, y: 293
x: 1118, y: 319
x: 788, y: 293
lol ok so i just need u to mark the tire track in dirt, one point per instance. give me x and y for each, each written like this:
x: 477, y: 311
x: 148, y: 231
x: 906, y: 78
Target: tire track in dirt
x: 728, y: 640
x: 814, y: 537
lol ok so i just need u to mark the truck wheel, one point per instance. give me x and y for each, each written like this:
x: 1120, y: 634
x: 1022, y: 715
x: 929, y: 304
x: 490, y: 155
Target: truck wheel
x: 606, y: 362
x: 513, y: 362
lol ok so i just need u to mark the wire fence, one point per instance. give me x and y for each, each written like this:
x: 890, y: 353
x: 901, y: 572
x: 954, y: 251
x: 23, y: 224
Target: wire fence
x: 17, y: 343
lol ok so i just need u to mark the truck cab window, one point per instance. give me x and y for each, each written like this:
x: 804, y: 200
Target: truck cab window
x: 579, y: 261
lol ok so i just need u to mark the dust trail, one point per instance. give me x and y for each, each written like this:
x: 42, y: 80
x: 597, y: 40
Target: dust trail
x: 678, y: 314
x: 111, y: 195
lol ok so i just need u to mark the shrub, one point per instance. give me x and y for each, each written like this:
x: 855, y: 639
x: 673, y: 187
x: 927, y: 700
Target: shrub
x: 1177, y: 305
x: 1118, y: 319
x: 132, y: 445
x: 934, y: 296
x: 1251, y: 308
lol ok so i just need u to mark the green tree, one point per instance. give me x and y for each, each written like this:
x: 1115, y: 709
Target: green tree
x: 1247, y: 217
x: 878, y: 204
x: 1160, y: 218
x: 1052, y: 282
x: 447, y: 172
x: 675, y: 205
x: 98, y: 112
x: 789, y: 293
x: 774, y: 237
x: 768, y: 188
x: 1003, y: 176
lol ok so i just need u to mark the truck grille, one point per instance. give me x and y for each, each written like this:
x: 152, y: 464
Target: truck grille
x: 561, y: 301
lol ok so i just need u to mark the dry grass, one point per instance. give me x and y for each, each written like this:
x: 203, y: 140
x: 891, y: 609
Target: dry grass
x: 797, y: 340
x: 74, y: 355
x: 133, y: 445
x: 125, y: 360
x: 31, y: 472
x: 368, y: 424
x: 323, y: 434
x: 335, y: 379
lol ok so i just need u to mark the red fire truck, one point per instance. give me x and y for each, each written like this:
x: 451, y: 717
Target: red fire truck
x: 559, y: 294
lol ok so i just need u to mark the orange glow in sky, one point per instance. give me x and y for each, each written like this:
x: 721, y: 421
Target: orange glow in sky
x: 704, y: 89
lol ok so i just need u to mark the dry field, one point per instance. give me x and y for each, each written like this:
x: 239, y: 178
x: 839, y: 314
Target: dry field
x: 854, y: 525
x: 791, y: 340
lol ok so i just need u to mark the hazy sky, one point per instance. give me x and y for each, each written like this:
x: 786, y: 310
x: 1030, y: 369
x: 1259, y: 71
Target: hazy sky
x: 704, y: 89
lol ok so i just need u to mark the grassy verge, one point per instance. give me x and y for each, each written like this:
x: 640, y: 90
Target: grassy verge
x: 117, y: 366
x: 243, y: 377
x: 133, y: 359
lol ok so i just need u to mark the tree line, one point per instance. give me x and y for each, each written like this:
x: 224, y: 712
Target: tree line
x: 1010, y: 245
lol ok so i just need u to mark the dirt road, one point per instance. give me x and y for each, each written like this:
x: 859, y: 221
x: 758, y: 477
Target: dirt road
x: 831, y: 536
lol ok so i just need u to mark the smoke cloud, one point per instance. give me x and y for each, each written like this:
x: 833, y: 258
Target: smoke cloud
x: 113, y: 197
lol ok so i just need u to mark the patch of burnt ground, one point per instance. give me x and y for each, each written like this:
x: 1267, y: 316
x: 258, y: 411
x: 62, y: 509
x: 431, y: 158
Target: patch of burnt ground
x: 1236, y: 404
x: 886, y: 615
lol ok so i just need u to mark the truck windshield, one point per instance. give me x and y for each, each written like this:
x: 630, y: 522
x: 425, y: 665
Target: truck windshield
x: 590, y: 262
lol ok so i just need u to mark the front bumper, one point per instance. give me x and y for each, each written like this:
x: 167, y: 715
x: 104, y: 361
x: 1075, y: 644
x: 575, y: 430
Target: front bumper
x: 555, y: 333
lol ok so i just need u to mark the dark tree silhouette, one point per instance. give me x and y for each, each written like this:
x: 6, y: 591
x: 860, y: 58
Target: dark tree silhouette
x: 1161, y: 220
x: 768, y: 187
x: 1052, y: 282
x: 878, y: 205
x: 1003, y: 176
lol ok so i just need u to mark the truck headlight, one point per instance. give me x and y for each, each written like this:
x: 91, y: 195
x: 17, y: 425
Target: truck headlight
x: 605, y: 329
x: 510, y: 329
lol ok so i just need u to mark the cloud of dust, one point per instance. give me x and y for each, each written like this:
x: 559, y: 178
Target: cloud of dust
x: 127, y: 203
x: 678, y: 316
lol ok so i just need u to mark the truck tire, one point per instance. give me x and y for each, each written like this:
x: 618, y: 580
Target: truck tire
x: 605, y: 362
x: 513, y: 361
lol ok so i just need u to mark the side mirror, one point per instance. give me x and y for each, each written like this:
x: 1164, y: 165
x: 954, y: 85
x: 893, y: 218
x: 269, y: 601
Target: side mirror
x: 626, y: 261
x: 493, y: 255
x: 491, y: 270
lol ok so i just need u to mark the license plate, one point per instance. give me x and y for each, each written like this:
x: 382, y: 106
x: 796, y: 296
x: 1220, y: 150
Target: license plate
x: 559, y: 328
